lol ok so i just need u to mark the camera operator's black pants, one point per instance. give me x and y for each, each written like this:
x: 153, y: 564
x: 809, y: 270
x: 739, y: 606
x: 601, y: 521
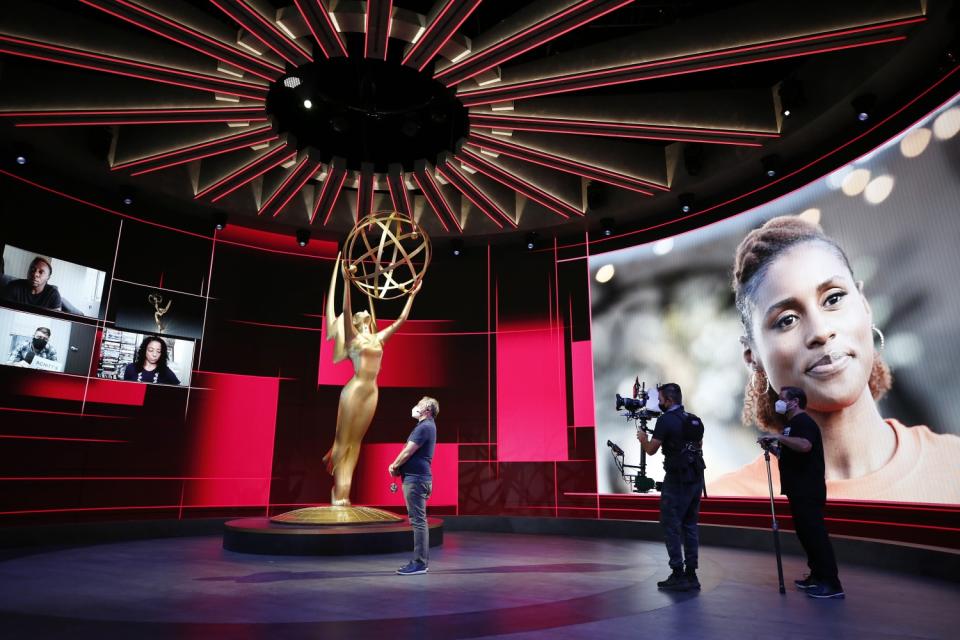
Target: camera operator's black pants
x: 679, y: 513
x: 812, y: 531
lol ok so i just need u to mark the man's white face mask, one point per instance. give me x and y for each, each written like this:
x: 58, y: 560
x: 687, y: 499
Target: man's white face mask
x: 415, y: 412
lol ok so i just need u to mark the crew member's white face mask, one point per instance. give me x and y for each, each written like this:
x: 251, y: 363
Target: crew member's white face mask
x: 415, y: 413
x: 780, y: 406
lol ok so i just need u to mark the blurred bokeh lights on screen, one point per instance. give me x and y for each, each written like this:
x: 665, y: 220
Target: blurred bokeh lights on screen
x: 878, y: 189
x: 605, y: 273
x: 855, y: 182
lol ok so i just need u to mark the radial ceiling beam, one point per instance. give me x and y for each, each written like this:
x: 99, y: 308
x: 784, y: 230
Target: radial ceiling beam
x: 269, y: 159
x: 25, y: 48
x: 263, y: 29
x: 481, y: 142
x: 317, y: 16
x: 444, y: 21
x: 187, y: 36
x: 514, y: 182
x: 754, y: 53
x: 377, y: 20
x: 398, y: 190
x: 199, y: 151
x: 290, y: 187
x: 365, y: 181
x: 564, y: 18
x: 474, y: 194
x: 330, y: 192
x: 611, y: 129
x: 435, y: 198
x: 89, y: 117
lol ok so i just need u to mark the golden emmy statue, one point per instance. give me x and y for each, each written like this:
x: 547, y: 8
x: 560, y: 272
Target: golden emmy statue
x: 158, y: 311
x: 385, y: 257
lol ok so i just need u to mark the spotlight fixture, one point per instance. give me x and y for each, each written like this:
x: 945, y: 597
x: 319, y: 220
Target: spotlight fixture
x: 686, y: 202
x: 21, y: 159
x: 771, y: 165
x: 291, y: 82
x: 219, y: 221
x: 127, y: 200
x: 531, y: 240
x: 303, y: 237
x: 606, y: 227
x: 863, y: 106
x: 308, y: 104
x: 456, y: 247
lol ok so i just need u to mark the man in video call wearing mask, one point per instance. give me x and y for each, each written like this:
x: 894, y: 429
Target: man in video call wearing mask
x: 802, y: 479
x: 39, y: 347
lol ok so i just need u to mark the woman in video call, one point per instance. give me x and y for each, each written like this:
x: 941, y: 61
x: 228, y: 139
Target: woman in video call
x: 151, y: 363
x: 808, y: 324
x: 356, y: 337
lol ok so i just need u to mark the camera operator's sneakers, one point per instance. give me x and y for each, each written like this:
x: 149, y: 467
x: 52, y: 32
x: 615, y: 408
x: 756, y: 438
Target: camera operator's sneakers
x: 412, y: 568
x: 806, y: 583
x: 690, y: 575
x: 676, y: 582
x: 823, y: 591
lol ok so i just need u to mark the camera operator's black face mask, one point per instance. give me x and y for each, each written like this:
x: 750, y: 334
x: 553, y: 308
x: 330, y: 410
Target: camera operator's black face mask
x: 39, y: 343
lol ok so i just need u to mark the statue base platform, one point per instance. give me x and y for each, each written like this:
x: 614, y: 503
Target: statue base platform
x: 336, y: 515
x: 262, y: 536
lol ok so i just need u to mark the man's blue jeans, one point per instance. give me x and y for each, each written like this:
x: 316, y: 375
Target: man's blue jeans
x: 415, y: 492
x: 679, y: 513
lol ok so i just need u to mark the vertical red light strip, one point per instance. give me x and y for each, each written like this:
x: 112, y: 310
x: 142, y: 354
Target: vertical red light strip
x: 336, y: 194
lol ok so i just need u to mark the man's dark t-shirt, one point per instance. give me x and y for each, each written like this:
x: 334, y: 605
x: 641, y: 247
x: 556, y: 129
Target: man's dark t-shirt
x: 802, y: 474
x: 21, y: 291
x: 669, y: 431
x: 425, y: 435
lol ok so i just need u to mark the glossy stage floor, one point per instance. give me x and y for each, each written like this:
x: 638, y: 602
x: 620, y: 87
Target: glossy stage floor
x: 480, y: 585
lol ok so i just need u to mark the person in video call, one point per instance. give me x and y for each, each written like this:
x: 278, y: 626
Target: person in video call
x: 799, y: 449
x: 151, y: 363
x: 39, y: 347
x: 413, y: 464
x: 35, y: 289
x: 681, y: 435
x: 807, y: 324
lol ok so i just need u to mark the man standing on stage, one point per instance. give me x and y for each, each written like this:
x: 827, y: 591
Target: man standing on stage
x: 802, y: 481
x: 681, y: 435
x: 413, y: 464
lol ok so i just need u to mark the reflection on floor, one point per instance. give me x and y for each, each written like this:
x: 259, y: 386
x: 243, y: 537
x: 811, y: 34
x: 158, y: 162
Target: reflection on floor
x: 480, y: 585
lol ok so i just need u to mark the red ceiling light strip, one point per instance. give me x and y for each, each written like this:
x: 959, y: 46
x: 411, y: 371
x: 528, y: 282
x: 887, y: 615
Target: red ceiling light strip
x: 317, y: 17
x: 434, y: 197
x: 511, y: 181
x: 332, y: 186
x: 263, y: 30
x: 247, y: 172
x: 291, y: 186
x: 130, y: 68
x: 436, y: 35
x: 561, y: 164
x: 751, y: 54
x: 87, y: 117
x: 376, y: 33
x: 619, y: 129
x: 475, y: 195
x: 201, y: 150
x: 183, y: 35
x: 398, y: 192
x: 533, y: 36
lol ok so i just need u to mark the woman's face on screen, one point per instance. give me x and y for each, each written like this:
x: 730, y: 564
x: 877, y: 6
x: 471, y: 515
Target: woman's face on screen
x: 812, y: 327
x: 154, y: 351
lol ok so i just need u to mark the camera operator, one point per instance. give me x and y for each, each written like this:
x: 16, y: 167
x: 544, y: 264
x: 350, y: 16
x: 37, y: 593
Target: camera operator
x: 800, y: 452
x: 681, y: 435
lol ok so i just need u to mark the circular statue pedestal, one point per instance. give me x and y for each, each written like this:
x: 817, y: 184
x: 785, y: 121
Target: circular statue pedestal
x: 260, y: 535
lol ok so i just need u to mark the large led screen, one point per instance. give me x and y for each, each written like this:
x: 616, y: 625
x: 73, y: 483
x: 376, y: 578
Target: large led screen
x: 887, y: 408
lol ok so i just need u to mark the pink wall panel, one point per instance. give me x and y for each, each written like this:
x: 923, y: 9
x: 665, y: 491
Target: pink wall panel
x: 581, y: 357
x: 233, y: 423
x: 372, y: 483
x: 531, y: 393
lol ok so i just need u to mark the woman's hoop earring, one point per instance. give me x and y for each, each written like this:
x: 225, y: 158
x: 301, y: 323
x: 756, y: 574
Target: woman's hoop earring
x: 753, y: 380
x: 879, y: 333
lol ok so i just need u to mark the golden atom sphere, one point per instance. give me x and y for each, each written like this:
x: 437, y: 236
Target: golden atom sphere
x: 386, y: 255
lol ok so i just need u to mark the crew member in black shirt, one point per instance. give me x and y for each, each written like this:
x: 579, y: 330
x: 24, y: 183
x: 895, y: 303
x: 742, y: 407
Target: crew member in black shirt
x: 802, y: 479
x: 681, y: 435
